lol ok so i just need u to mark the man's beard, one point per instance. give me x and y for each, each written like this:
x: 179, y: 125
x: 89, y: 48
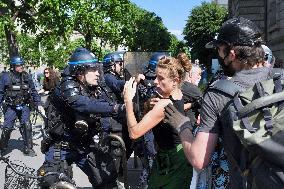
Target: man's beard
x: 227, y: 69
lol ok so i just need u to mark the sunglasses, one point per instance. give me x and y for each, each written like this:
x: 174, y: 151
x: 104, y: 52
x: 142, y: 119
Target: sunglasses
x: 46, y: 72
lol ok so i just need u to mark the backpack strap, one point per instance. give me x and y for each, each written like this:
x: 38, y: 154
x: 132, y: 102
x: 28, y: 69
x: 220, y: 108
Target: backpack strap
x: 276, y: 72
x: 227, y: 86
x: 231, y: 88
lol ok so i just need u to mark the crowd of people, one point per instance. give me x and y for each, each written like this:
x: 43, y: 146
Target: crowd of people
x: 227, y: 136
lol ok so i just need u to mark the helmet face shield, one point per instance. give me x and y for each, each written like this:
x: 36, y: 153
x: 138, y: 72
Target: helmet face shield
x: 94, y: 74
x: 113, y: 62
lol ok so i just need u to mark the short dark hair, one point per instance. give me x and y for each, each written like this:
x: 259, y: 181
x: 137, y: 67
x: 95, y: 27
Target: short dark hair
x: 279, y: 63
x: 249, y: 56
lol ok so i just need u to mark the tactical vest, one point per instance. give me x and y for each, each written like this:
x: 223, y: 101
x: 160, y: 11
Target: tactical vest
x: 61, y: 117
x: 17, y: 92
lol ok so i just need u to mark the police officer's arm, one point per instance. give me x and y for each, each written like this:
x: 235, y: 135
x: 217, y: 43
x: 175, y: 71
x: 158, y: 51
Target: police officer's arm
x: 97, y: 106
x: 197, y: 150
x: 114, y: 84
x: 34, y: 94
x: 70, y: 92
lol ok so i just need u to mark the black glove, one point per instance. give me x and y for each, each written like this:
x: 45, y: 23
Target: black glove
x: 176, y: 119
x: 45, y: 144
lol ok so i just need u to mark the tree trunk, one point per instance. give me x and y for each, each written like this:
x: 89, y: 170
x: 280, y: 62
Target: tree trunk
x: 11, y: 42
x: 88, y: 41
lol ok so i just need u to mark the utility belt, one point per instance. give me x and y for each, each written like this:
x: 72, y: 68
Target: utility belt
x: 17, y: 101
x: 62, y: 145
x: 13, y: 106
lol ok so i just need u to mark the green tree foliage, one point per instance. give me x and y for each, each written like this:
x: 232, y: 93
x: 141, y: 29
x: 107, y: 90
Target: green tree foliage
x: 3, y: 45
x: 202, y: 25
x: 145, y: 31
x: 39, y: 18
x: 41, y: 31
x: 177, y: 46
x: 29, y: 49
x: 96, y: 19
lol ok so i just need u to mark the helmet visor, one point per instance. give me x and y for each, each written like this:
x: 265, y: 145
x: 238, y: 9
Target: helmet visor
x: 94, y: 74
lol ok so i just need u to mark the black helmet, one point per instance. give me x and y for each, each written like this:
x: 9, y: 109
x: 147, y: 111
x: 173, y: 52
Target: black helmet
x: 111, y: 58
x: 17, y: 60
x: 237, y: 32
x: 155, y: 59
x: 82, y: 59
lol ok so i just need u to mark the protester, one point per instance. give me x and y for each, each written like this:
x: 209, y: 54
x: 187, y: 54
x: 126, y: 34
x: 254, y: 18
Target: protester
x: 239, y: 48
x: 170, y: 168
x: 191, y: 93
x: 145, y: 148
x: 50, y: 80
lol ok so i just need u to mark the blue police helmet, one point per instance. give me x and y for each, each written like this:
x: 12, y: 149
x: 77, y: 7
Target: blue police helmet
x: 111, y: 58
x: 17, y: 60
x: 155, y: 59
x: 82, y: 59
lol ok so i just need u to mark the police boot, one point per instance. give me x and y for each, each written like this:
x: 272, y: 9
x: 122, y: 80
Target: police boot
x: 28, y: 150
x: 28, y: 141
x: 5, y: 136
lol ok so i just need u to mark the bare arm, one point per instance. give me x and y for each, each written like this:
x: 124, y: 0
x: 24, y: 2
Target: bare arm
x: 150, y: 120
x: 198, y: 151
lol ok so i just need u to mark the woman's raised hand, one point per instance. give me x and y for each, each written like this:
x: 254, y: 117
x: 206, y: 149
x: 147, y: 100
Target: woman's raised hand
x: 129, y: 90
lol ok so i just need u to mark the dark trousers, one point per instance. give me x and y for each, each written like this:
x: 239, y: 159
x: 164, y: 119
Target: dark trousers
x: 11, y: 114
x: 79, y: 157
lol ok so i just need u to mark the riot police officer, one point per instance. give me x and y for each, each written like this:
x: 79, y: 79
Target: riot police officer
x: 75, y: 100
x: 114, y: 83
x: 18, y: 91
x: 113, y: 73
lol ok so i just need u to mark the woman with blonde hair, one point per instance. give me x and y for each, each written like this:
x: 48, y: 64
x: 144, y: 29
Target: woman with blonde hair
x: 171, y: 168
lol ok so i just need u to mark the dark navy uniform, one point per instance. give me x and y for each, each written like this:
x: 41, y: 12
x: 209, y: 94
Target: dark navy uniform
x: 113, y: 69
x: 17, y: 95
x: 114, y: 84
x: 69, y: 143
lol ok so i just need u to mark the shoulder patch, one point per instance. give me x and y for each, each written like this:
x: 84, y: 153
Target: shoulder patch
x: 70, y: 90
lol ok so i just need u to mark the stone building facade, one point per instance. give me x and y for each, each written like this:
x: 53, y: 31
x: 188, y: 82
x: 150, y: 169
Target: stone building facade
x: 268, y: 15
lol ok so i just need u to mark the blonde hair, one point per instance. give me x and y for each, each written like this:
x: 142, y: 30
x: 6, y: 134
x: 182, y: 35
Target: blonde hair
x: 177, y: 67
